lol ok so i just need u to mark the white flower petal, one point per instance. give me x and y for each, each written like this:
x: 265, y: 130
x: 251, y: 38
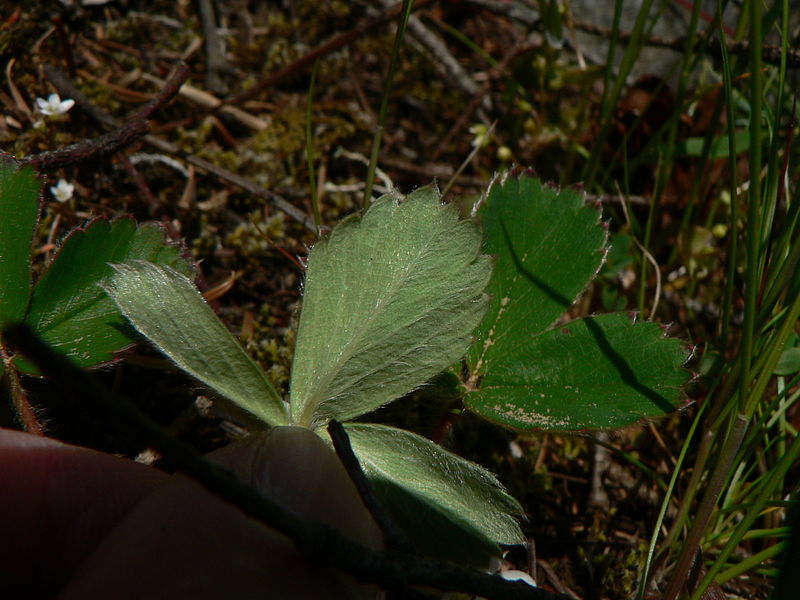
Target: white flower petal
x: 63, y: 190
x: 54, y: 105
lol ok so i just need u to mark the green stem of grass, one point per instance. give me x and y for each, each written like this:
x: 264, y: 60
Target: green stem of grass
x: 770, y: 354
x: 751, y: 562
x: 768, y: 488
x: 707, y: 504
x: 676, y: 472
x: 753, y: 237
x: 612, y: 92
x: 312, y: 177
x: 693, y: 486
x: 666, y: 153
x: 376, y: 140
x: 727, y: 302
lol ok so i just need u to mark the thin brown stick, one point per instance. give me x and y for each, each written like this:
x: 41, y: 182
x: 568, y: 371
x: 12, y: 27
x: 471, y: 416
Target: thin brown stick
x: 66, y: 88
x: 141, y: 184
x: 167, y: 92
x: 335, y: 43
x: 113, y: 141
x: 393, y: 537
x: 155, y: 205
x: 108, y: 143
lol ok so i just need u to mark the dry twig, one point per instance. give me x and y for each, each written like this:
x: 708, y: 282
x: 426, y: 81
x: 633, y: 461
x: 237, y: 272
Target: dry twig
x: 437, y: 52
x: 335, y: 43
x: 113, y: 141
x: 215, y: 58
x: 392, y: 536
x: 65, y: 86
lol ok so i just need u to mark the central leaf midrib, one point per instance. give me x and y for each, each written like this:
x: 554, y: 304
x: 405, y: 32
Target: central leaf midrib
x: 501, y: 314
x: 348, y: 351
x: 409, y: 350
x: 53, y: 318
x: 48, y: 315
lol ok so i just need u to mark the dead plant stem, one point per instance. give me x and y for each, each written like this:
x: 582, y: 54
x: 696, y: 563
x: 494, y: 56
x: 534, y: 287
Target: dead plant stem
x: 67, y: 88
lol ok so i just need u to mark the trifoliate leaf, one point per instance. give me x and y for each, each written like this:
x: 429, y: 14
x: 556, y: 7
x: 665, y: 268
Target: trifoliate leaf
x: 167, y: 309
x: 391, y: 299
x: 595, y: 373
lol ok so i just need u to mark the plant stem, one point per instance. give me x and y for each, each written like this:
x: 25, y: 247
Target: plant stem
x: 676, y: 471
x: 691, y: 489
x: 730, y: 273
x: 753, y: 237
x: 707, y: 504
x: 393, y: 537
x: 22, y: 406
x: 408, y: 5
x: 611, y: 96
x: 774, y: 478
x: 312, y: 179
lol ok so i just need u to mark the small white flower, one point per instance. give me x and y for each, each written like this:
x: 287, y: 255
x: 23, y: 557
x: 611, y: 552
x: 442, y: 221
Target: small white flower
x: 54, y: 105
x: 62, y: 190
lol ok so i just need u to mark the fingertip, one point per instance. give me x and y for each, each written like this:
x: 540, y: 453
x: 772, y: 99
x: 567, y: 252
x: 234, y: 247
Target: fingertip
x: 58, y: 502
x: 297, y: 469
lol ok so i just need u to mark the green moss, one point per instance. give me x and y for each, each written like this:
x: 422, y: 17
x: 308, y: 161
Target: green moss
x: 195, y: 139
x: 251, y: 239
x: 271, y: 49
x: 619, y: 572
x: 102, y: 97
x: 273, y: 350
x: 139, y: 32
x: 337, y: 204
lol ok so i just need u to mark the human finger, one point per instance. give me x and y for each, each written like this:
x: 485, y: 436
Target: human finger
x: 183, y: 542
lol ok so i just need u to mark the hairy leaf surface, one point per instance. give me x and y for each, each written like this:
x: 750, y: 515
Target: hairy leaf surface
x: 19, y: 210
x: 548, y: 246
x: 448, y: 506
x: 594, y: 373
x: 167, y: 309
x: 391, y: 299
x: 70, y: 311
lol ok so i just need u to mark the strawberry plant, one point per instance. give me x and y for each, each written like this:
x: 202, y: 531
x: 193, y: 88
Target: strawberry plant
x: 408, y: 290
